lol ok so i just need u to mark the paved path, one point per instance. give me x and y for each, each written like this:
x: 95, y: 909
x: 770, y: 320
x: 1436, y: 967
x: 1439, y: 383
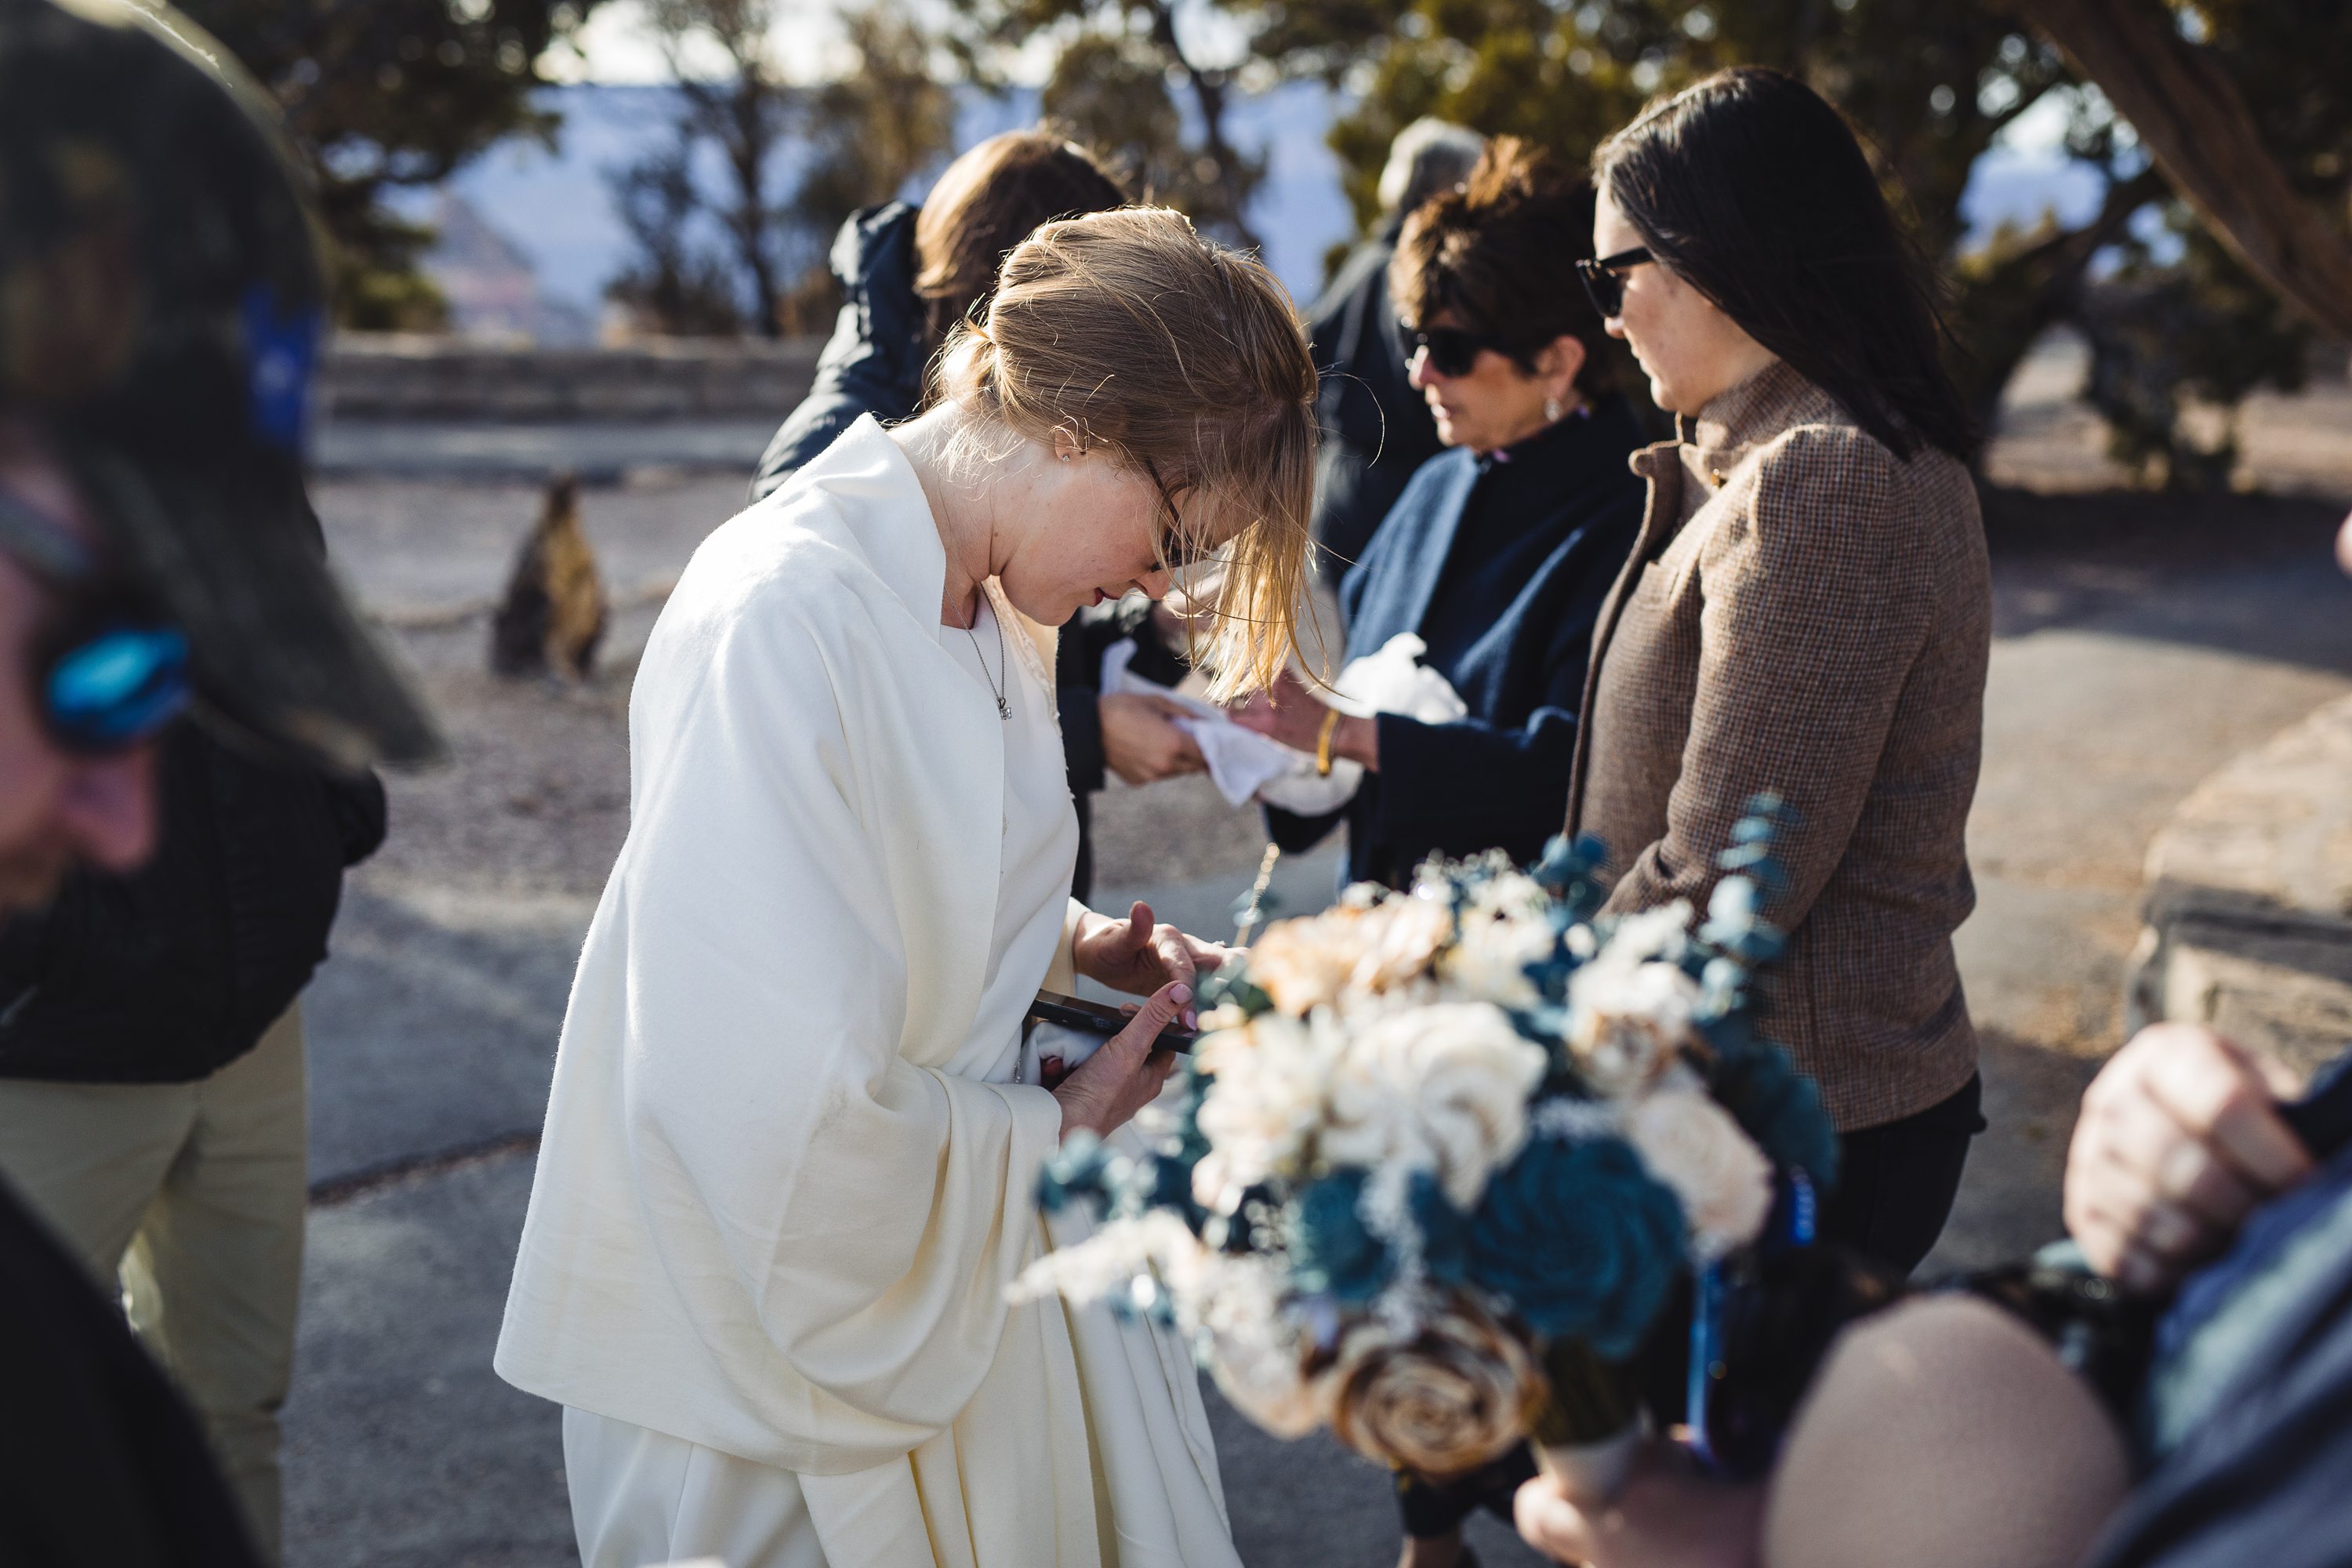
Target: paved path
x: 2117, y: 682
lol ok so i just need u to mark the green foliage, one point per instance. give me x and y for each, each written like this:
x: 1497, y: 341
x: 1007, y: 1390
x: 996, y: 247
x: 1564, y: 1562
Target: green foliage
x: 1112, y: 95
x: 872, y: 129
x: 2180, y: 320
x: 2163, y: 335
x: 1118, y: 69
x: 381, y: 94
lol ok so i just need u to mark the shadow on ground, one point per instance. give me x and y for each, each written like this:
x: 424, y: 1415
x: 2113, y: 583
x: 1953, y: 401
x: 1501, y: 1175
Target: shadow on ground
x: 2008, y: 1204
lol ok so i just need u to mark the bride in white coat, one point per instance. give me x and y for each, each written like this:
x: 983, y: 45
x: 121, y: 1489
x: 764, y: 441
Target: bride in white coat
x: 789, y: 1164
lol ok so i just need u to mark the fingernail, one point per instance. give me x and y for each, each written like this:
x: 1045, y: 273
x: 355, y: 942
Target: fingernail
x: 1182, y: 994
x: 1192, y: 1019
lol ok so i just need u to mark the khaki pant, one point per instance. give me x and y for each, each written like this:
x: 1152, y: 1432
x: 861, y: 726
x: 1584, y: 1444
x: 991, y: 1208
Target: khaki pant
x: 192, y: 1195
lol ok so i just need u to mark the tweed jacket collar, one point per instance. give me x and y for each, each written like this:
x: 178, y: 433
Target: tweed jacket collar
x: 1738, y: 419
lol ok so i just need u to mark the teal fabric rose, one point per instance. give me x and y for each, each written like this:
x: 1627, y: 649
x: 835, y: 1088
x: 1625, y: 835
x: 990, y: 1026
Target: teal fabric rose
x: 1334, y: 1251
x: 1774, y: 1104
x: 1581, y: 1239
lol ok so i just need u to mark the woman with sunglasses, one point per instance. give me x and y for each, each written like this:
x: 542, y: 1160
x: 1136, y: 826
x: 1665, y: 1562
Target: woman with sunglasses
x: 1808, y: 611
x: 1498, y: 554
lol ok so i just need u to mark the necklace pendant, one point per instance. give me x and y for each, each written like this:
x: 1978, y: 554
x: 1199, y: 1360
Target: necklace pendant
x: 1003, y: 711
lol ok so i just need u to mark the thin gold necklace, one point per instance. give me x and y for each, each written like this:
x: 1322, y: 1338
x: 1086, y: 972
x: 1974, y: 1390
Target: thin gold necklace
x: 1003, y: 708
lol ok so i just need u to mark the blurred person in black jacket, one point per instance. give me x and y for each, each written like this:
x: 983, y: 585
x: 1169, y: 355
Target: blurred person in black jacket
x: 152, y: 1082
x: 908, y: 275
x: 162, y: 301
x: 1376, y: 429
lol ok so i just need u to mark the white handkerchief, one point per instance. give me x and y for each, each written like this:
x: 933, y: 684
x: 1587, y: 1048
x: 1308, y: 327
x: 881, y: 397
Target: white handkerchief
x: 1242, y: 763
x: 1239, y: 760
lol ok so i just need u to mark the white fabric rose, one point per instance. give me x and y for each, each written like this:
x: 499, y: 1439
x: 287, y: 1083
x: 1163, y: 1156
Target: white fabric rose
x: 1490, y: 963
x: 1235, y: 1306
x: 1359, y: 950
x: 1399, y: 940
x: 1442, y: 1087
x: 1302, y: 964
x: 1264, y: 1100
x: 1650, y: 936
x: 1628, y: 1020
x: 1694, y: 1146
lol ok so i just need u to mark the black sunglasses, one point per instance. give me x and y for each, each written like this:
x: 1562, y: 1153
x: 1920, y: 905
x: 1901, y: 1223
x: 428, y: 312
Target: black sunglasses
x: 109, y: 672
x: 1603, y: 285
x: 1453, y: 352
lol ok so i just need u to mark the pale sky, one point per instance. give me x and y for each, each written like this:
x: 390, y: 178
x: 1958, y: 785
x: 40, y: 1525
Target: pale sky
x: 615, y: 46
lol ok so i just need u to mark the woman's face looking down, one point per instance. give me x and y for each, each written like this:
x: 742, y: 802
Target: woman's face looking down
x: 1687, y: 347
x: 1093, y: 532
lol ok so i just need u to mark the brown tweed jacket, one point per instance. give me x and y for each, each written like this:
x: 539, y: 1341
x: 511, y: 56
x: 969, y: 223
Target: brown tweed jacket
x: 1806, y: 614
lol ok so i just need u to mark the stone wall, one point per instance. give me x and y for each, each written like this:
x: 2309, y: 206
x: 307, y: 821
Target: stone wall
x: 395, y: 377
x: 2249, y: 898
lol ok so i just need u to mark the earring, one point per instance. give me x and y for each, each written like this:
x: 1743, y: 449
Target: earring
x: 1551, y: 409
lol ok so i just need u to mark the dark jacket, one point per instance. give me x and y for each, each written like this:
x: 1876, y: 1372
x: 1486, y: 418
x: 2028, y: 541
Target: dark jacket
x: 1500, y: 565
x: 102, y: 1464
x: 2248, y: 1418
x: 1377, y: 430
x: 171, y: 973
x: 1078, y: 675
x: 873, y: 364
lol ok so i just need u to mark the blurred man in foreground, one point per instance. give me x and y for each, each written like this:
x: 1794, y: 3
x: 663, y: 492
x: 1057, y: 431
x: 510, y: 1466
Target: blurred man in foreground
x: 160, y: 302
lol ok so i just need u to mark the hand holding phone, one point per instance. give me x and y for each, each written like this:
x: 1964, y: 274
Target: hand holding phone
x: 1125, y: 1071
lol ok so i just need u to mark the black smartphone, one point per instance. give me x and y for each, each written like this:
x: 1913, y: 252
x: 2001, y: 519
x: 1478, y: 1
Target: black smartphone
x: 1093, y: 1019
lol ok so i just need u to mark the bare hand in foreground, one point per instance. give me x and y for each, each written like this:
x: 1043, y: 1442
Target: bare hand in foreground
x: 1136, y: 956
x: 2180, y: 1137
x: 1139, y: 741
x: 1668, y: 1516
x: 1126, y: 1074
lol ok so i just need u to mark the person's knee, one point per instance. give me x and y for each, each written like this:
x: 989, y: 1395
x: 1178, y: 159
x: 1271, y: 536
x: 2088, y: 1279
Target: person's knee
x: 1943, y: 1432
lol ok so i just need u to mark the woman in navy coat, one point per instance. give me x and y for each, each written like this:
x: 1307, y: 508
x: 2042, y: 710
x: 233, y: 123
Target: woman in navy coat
x: 1499, y: 552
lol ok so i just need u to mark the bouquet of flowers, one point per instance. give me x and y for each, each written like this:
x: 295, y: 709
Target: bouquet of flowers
x: 1442, y: 1156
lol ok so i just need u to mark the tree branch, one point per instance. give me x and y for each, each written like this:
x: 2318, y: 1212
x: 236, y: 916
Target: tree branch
x: 1209, y: 95
x: 2196, y: 127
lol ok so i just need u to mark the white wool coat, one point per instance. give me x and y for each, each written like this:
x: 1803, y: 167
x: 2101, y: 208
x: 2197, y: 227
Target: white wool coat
x: 785, y: 1180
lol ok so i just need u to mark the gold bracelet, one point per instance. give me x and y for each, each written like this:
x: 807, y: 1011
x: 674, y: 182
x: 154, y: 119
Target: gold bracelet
x: 1323, y: 743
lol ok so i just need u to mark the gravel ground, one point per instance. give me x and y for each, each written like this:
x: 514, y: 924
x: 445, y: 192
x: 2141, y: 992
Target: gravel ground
x: 537, y: 799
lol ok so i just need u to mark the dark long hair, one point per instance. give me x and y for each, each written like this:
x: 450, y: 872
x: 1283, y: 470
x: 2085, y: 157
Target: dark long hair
x: 1755, y: 192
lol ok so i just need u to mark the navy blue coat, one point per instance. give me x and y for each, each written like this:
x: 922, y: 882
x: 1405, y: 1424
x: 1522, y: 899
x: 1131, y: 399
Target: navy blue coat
x: 1500, y: 565
x: 873, y: 362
